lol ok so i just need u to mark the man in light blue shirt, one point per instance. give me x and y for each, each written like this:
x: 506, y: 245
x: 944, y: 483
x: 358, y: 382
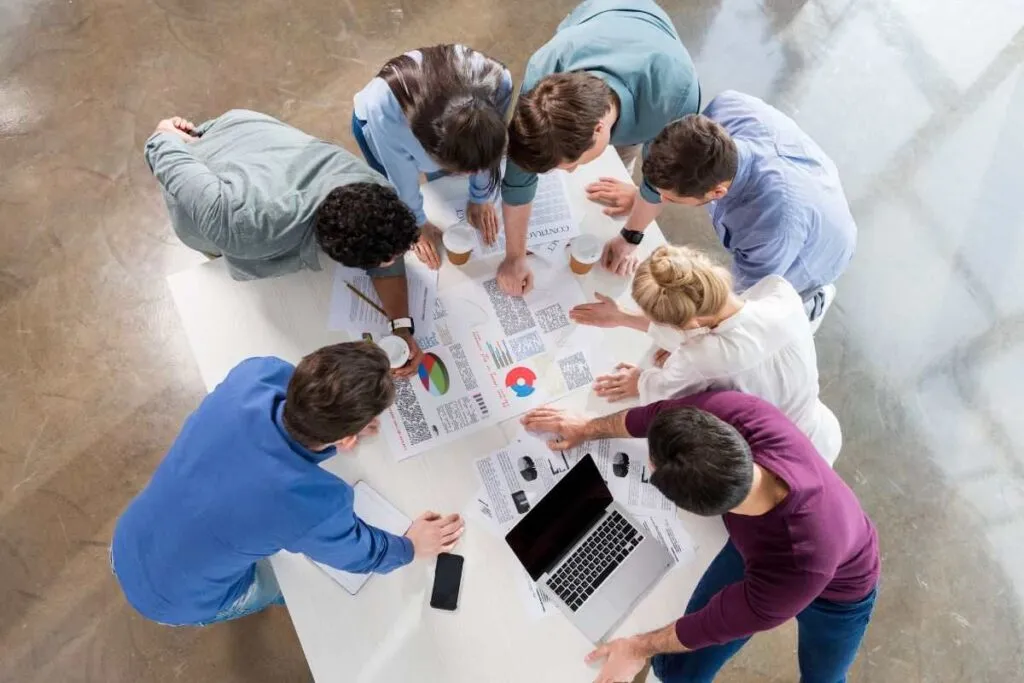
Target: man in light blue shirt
x: 774, y: 197
x: 243, y: 481
x: 615, y: 72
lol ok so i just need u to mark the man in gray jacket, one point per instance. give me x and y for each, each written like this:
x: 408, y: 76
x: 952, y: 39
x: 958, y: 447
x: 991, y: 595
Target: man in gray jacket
x: 265, y: 195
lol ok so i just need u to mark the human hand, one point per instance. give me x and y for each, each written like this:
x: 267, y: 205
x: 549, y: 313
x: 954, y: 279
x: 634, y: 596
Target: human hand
x: 179, y: 126
x: 415, y: 354
x: 622, y: 661
x: 660, y: 356
x: 604, y: 313
x: 432, y: 534
x: 625, y: 383
x: 426, y: 245
x: 483, y: 217
x: 616, y: 195
x: 571, y: 429
x: 514, y: 276
x: 618, y: 257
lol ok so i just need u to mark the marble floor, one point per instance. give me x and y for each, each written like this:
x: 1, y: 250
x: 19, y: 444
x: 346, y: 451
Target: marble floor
x: 921, y: 104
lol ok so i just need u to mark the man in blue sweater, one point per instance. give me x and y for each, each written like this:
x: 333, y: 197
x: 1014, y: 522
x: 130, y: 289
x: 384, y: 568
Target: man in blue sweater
x: 242, y: 481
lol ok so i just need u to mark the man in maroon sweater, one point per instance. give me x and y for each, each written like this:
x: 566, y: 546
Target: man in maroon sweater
x: 799, y: 543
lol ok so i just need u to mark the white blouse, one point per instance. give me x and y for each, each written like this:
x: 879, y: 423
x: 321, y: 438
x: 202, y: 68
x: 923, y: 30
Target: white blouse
x: 766, y: 349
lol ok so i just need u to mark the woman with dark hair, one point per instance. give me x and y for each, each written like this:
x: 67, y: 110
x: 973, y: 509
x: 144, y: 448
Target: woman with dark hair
x: 437, y: 110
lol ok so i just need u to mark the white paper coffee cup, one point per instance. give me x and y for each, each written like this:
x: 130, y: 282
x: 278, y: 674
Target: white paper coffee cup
x: 584, y: 252
x: 396, y: 348
x: 459, y: 240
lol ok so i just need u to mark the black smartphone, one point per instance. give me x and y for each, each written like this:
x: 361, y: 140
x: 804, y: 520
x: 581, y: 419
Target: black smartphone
x: 447, y: 581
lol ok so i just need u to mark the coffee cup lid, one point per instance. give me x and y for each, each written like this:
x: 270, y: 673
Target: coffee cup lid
x: 396, y: 348
x: 586, y: 248
x: 459, y: 238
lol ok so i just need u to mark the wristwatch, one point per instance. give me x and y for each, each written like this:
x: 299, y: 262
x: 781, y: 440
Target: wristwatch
x: 402, y: 323
x: 632, y: 236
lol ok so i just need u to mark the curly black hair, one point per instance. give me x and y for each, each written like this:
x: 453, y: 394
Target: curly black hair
x: 363, y: 225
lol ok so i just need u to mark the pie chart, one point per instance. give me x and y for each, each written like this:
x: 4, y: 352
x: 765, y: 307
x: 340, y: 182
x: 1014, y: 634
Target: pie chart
x: 434, y: 375
x: 520, y: 380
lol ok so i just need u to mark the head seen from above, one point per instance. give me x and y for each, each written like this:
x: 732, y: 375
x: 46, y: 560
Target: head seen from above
x: 699, y: 462
x: 681, y: 287
x: 450, y: 101
x: 565, y: 121
x: 364, y: 225
x: 692, y: 161
x: 335, y: 392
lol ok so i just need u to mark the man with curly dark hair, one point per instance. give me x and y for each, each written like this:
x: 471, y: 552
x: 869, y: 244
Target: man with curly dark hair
x: 264, y: 195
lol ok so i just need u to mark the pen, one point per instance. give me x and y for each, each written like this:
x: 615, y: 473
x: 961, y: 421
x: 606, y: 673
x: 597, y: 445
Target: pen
x: 367, y: 300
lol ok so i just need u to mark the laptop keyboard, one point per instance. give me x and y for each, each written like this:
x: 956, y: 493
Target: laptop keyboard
x: 597, y: 557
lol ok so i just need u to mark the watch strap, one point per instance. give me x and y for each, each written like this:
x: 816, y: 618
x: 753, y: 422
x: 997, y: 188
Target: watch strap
x: 632, y: 236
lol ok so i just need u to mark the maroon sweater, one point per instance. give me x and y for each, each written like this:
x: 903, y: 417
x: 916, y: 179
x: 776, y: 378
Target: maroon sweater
x: 816, y: 543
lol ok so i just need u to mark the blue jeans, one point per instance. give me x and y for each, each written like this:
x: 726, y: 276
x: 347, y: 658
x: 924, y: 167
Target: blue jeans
x: 829, y: 632
x: 261, y: 594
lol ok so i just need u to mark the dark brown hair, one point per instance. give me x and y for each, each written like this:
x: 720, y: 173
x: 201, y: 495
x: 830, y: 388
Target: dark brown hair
x: 450, y: 99
x: 701, y: 463
x: 336, y: 391
x: 555, y: 121
x: 690, y: 157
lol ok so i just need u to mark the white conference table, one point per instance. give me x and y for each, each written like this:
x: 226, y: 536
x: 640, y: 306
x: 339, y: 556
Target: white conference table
x: 388, y: 632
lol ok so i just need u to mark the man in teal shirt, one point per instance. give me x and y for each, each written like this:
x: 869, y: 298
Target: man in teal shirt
x: 615, y: 72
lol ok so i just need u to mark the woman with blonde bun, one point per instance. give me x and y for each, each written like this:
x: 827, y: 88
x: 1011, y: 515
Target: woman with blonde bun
x: 759, y: 342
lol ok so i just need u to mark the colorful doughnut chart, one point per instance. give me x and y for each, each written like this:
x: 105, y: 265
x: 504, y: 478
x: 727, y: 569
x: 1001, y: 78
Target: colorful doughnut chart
x: 520, y: 380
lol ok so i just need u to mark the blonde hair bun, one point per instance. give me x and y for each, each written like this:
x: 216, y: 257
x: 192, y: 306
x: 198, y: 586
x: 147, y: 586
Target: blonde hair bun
x: 676, y: 284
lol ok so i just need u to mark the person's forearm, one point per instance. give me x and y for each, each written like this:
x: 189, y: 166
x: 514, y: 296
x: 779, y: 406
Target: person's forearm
x: 607, y: 427
x: 642, y: 215
x: 517, y: 219
x: 394, y: 295
x: 634, y: 320
x: 662, y: 641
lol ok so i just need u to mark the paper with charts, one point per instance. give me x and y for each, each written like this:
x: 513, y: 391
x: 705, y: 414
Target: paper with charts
x: 492, y: 357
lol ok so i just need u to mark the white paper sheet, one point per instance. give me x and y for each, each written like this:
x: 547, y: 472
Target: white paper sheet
x: 492, y: 357
x: 350, y: 313
x: 551, y: 218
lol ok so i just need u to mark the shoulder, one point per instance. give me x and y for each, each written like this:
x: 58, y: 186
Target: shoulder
x: 774, y: 288
x: 266, y: 369
x: 763, y: 425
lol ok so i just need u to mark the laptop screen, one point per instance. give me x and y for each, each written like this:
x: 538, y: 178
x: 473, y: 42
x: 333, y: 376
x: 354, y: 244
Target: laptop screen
x: 560, y: 518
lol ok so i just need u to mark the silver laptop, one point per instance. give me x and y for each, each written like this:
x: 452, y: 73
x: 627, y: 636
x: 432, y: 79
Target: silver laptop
x: 586, y: 553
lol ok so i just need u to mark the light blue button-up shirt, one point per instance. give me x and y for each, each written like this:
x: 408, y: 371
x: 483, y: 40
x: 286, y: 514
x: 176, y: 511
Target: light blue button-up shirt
x: 785, y: 212
x: 390, y: 138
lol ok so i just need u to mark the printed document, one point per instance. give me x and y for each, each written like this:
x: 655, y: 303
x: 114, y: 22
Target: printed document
x: 353, y: 314
x: 491, y: 357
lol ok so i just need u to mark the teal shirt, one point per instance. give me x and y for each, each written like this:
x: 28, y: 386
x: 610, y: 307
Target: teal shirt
x: 633, y: 47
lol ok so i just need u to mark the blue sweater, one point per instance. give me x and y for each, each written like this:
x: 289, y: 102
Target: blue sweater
x: 236, y: 487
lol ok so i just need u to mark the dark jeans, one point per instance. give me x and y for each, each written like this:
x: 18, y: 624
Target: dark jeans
x: 374, y: 163
x: 829, y: 632
x: 357, y: 133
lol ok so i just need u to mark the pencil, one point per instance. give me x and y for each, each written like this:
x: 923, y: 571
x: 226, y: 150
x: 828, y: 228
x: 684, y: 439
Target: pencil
x: 367, y: 300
